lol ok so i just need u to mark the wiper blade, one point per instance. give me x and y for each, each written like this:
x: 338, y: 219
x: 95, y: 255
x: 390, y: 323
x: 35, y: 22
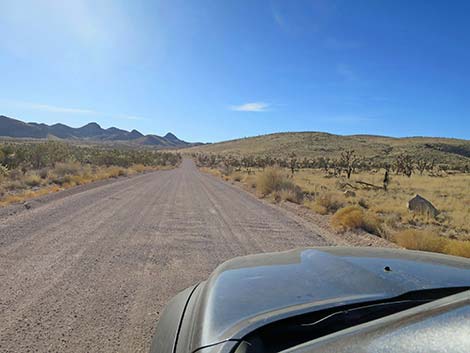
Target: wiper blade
x: 363, y: 312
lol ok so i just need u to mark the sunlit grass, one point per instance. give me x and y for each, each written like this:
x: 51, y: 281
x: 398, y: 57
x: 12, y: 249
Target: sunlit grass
x: 63, y: 176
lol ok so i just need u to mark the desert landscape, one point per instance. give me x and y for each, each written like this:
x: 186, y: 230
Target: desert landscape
x: 97, y: 237
x: 143, y: 144
x: 365, y: 182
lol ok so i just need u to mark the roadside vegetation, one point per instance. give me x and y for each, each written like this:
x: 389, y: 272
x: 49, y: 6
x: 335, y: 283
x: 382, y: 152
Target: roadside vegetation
x: 358, y: 194
x: 29, y: 170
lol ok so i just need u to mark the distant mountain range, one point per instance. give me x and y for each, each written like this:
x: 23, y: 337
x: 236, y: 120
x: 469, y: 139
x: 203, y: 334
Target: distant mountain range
x: 10, y: 127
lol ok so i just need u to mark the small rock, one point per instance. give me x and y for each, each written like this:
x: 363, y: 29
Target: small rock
x: 349, y: 193
x: 27, y: 205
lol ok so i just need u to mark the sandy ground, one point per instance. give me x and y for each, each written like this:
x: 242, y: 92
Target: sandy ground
x: 90, y: 270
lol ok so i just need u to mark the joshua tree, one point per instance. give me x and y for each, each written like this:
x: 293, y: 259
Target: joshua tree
x: 404, y: 164
x: 348, y: 161
x: 386, y: 179
x: 293, y: 162
x: 422, y: 165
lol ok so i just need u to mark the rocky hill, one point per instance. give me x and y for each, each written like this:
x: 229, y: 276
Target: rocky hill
x: 320, y: 144
x: 14, y: 128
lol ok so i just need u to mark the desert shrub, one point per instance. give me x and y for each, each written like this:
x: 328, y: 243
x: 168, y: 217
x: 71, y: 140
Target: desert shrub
x: 15, y: 185
x: 293, y: 194
x: 139, y: 168
x: 271, y: 180
x: 32, y: 180
x: 114, y: 172
x: 251, y: 181
x: 237, y: 176
x: 43, y: 173
x: 275, y: 181
x: 420, y: 240
x: 457, y: 248
x: 61, y: 180
x: 373, y: 224
x: 327, y: 203
x: 3, y: 170
x: 62, y: 169
x: 351, y: 217
x: 363, y: 203
x: 354, y: 217
x: 15, y: 174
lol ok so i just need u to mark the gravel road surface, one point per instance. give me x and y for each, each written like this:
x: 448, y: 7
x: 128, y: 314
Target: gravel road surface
x: 90, y: 271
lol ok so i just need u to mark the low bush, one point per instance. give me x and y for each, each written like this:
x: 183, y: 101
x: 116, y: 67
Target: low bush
x: 43, y: 173
x: 351, y: 217
x: 138, y: 168
x: 327, y: 203
x: 293, y: 194
x: 354, y: 217
x: 425, y: 240
x: 62, y: 169
x: 457, y: 248
x: 236, y: 176
x: 420, y: 240
x: 32, y: 180
x: 61, y: 180
x: 271, y: 180
x: 276, y: 182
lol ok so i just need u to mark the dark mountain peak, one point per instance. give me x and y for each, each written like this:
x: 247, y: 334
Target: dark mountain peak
x: 170, y: 136
x: 135, y: 134
x: 114, y: 129
x: 91, y: 125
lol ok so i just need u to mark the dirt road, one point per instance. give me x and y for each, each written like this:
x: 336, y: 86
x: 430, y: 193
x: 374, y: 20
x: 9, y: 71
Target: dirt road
x: 92, y: 270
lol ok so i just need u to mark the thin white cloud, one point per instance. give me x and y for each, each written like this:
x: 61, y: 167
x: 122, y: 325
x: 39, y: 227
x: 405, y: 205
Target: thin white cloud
x: 55, y: 109
x: 251, y: 107
x: 15, y: 104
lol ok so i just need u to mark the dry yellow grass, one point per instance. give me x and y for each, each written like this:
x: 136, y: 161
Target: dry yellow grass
x: 27, y: 195
x: 429, y: 241
x: 63, y: 176
x: 211, y: 171
x: 354, y: 217
x: 450, y: 194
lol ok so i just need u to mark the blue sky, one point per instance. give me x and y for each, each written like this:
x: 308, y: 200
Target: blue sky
x: 222, y: 69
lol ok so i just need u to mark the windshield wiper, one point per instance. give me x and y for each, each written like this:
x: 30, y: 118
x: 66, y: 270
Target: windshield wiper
x: 364, y: 313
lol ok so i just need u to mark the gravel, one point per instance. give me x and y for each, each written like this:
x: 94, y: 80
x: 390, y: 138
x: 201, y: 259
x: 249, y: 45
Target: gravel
x: 90, y: 270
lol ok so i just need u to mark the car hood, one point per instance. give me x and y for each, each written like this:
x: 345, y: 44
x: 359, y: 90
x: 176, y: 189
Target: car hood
x: 248, y: 292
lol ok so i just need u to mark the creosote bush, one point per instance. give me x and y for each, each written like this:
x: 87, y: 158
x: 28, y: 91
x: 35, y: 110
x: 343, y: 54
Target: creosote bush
x: 293, y: 194
x: 273, y: 181
x: 326, y: 203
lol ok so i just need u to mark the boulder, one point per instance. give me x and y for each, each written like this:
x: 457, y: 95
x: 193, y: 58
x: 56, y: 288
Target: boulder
x: 420, y: 205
